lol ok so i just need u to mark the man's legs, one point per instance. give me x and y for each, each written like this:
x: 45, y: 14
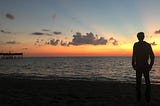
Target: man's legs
x: 138, y: 84
x: 148, y: 85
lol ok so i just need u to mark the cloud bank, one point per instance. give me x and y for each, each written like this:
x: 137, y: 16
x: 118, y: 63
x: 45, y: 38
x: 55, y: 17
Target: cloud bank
x: 78, y: 39
x: 62, y: 43
x: 10, y: 16
x: 53, y: 42
x: 5, y: 32
x: 113, y: 40
x: 37, y: 33
x: 41, y: 33
x: 157, y: 31
x: 89, y: 38
x: 57, y: 33
x: 11, y: 42
x: 46, y: 32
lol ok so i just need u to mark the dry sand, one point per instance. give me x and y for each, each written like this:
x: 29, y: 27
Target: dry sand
x: 71, y: 93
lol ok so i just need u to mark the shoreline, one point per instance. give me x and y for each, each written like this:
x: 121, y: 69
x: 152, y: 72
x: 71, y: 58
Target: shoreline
x: 15, y: 91
x: 50, y: 78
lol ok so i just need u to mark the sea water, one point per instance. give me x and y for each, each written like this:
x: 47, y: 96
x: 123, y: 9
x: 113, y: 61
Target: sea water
x: 75, y: 68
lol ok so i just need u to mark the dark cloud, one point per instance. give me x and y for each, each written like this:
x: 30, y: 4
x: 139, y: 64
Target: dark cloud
x: 157, y: 31
x: 10, y: 16
x: 37, y: 33
x: 6, y: 32
x: 89, y: 38
x: 57, y: 33
x: 41, y: 33
x: 53, y: 42
x: 153, y: 43
x: 113, y: 40
x: 11, y: 42
x: 78, y: 39
x: 62, y: 43
x: 40, y: 42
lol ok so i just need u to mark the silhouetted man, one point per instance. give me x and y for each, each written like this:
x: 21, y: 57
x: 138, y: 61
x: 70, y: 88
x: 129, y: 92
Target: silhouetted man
x: 142, y: 52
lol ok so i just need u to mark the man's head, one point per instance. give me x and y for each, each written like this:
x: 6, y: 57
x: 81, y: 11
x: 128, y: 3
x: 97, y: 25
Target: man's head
x: 140, y: 36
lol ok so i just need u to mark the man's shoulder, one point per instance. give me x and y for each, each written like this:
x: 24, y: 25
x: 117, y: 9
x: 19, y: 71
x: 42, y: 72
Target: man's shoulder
x: 147, y: 43
x: 144, y: 42
x: 137, y: 44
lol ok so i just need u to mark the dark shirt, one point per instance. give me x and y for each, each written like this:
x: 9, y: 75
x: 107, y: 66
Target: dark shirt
x: 142, y: 51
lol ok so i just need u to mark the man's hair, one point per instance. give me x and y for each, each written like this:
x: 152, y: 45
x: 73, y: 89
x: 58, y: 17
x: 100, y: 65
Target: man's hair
x: 140, y: 36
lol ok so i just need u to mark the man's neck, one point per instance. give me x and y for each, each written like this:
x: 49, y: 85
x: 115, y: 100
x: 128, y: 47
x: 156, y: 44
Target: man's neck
x: 141, y: 41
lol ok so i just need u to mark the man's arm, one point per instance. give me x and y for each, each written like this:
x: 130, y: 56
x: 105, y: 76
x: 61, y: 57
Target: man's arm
x: 151, y: 56
x: 133, y: 58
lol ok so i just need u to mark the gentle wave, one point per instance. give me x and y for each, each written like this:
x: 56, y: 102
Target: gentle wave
x: 80, y: 68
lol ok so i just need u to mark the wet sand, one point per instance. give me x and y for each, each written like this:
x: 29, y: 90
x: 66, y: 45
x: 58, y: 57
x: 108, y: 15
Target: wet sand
x: 22, y: 92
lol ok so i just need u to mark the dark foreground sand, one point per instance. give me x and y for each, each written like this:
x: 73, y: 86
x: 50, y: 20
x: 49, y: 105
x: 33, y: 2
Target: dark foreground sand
x: 71, y: 93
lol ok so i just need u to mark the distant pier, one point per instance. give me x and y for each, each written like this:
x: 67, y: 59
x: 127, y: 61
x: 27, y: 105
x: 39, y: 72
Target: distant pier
x: 11, y: 55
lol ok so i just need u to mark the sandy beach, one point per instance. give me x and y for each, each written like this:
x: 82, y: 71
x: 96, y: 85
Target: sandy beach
x: 22, y: 92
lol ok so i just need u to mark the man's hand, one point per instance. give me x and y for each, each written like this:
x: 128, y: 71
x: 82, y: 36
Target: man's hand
x: 149, y: 67
x: 134, y: 67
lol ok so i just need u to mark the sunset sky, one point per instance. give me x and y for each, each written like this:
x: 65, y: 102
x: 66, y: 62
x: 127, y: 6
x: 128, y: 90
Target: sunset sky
x: 77, y: 27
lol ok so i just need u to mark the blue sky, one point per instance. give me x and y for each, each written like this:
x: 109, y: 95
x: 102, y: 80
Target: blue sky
x: 77, y: 15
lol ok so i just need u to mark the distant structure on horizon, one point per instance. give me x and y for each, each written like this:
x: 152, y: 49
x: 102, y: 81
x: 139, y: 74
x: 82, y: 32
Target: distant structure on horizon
x: 11, y: 55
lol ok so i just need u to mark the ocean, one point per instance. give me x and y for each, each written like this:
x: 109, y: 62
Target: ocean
x: 75, y: 68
